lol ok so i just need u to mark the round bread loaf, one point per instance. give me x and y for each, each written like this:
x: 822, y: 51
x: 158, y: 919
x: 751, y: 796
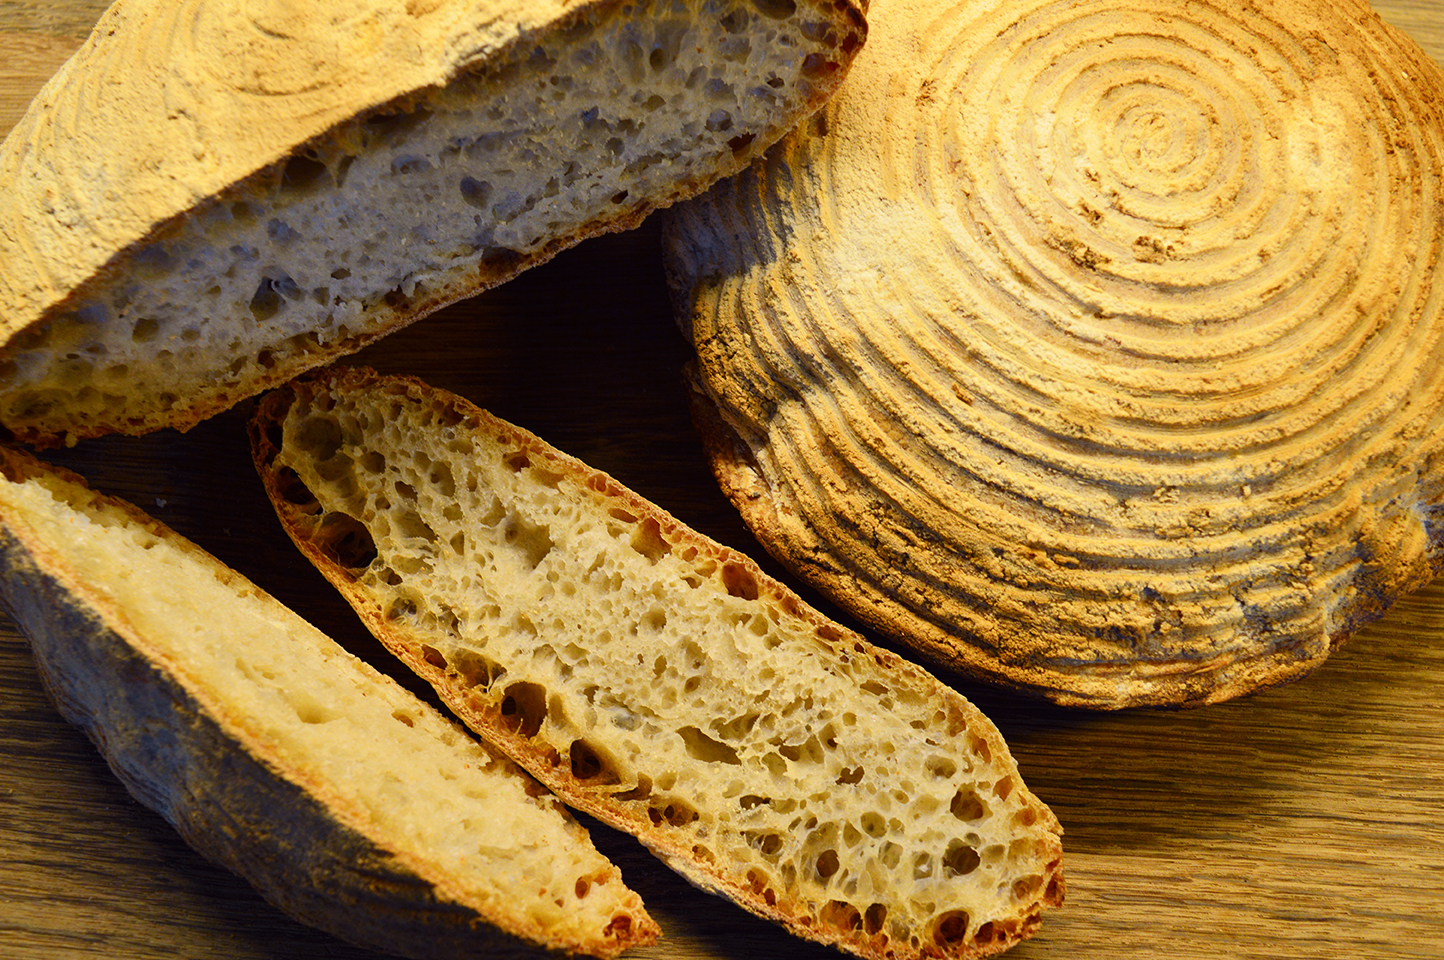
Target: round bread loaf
x: 1092, y: 348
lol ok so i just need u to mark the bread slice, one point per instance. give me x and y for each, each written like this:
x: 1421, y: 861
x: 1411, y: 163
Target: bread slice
x: 345, y: 800
x: 212, y: 197
x: 659, y: 680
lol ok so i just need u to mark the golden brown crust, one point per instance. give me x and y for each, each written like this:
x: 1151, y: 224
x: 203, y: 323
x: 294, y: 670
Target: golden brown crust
x: 1050, y: 360
x: 635, y: 812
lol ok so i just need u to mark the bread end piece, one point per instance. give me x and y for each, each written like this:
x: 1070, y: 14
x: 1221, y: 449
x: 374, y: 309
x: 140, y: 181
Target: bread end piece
x: 343, y: 799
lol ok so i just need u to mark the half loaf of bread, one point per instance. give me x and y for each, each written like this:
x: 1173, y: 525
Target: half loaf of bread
x: 1093, y: 349
x: 213, y: 196
x: 659, y: 680
x: 341, y: 797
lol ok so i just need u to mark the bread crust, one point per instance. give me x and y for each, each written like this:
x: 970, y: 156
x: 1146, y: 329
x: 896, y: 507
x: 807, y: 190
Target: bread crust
x: 1045, y: 397
x: 213, y: 776
x: 137, y: 134
x: 635, y: 811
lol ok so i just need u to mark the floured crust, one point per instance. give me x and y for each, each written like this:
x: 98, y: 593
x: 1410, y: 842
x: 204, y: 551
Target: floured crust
x: 311, y: 456
x: 176, y: 113
x: 228, y: 781
x: 1038, y: 351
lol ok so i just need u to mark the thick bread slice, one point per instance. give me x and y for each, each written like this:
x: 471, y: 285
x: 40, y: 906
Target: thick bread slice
x: 659, y: 680
x: 214, y: 195
x: 346, y: 801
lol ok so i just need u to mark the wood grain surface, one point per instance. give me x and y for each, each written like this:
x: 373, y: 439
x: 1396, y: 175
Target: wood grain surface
x: 1306, y: 821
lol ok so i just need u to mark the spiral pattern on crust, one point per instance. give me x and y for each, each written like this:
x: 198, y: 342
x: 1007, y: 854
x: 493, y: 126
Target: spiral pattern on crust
x: 1095, y: 347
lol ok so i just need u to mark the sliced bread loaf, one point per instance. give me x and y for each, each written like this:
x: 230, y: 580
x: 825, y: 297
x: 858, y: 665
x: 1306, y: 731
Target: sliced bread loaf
x: 659, y: 680
x: 345, y: 800
x: 211, y: 197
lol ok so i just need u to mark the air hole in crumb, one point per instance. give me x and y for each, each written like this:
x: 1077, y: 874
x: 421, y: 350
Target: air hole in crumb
x: 400, y: 608
x: 967, y: 805
x: 318, y: 436
x: 941, y: 767
x: 702, y: 747
x: 402, y: 717
x: 673, y: 812
x: 873, y: 919
x: 641, y: 791
x: 583, y: 888
x: 1003, y: 787
x: 145, y: 330
x: 586, y: 762
x: 433, y: 656
x: 533, y: 540
x: 291, y: 488
x: 741, y: 142
x: 768, y: 844
x: 474, y: 670
x: 647, y: 540
x: 1026, y: 887
x: 850, y: 776
x: 266, y: 302
x: 951, y: 929
x: 524, y: 708
x: 827, y: 864
x: 303, y: 173
x: 739, y: 581
x: 477, y: 193
x: 408, y: 164
x: 816, y: 65
x: 346, y: 540
x: 620, y: 197
x: 960, y: 859
x: 841, y: 915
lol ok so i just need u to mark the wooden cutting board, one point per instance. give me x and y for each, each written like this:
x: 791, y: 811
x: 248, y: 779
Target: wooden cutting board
x: 1305, y: 822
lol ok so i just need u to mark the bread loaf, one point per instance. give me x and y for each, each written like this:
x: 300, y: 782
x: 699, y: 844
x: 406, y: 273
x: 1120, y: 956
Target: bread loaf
x: 1091, y: 349
x: 345, y: 800
x: 213, y: 196
x: 659, y: 680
